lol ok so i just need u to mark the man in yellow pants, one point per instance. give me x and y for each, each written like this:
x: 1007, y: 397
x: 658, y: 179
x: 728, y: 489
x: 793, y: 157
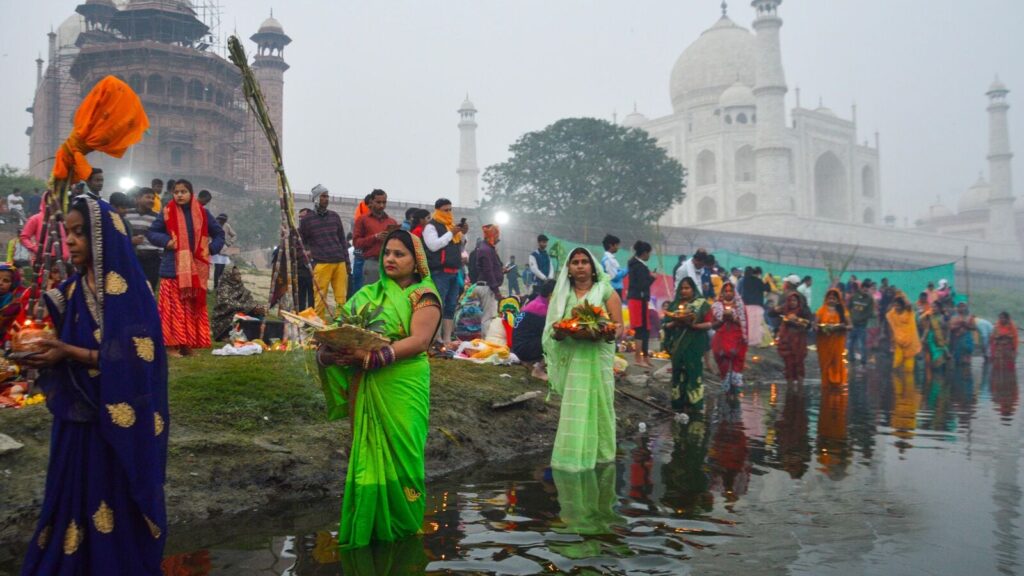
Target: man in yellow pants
x: 323, y: 235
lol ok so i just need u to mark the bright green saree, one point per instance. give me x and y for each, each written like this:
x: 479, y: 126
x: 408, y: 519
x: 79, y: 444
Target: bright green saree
x: 384, y: 486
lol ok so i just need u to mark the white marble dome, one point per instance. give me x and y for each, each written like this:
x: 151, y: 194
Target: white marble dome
x: 634, y: 120
x: 271, y: 25
x: 737, y: 96
x: 975, y: 198
x: 723, y: 55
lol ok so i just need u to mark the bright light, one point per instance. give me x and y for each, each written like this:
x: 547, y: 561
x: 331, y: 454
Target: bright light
x: 501, y: 218
x: 126, y: 183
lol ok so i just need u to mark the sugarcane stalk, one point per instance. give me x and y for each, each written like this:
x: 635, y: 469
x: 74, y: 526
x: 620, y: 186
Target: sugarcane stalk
x: 257, y: 104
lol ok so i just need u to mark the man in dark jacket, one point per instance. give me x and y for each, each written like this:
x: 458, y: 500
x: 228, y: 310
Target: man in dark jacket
x: 862, y: 310
x: 490, y: 274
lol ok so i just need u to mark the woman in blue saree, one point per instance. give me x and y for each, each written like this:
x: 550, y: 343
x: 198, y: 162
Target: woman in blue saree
x: 105, y: 380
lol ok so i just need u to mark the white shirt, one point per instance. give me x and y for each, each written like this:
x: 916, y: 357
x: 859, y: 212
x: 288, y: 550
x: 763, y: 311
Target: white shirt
x: 15, y: 202
x: 806, y: 291
x: 688, y: 269
x: 541, y: 277
x: 433, y: 241
x: 610, y: 264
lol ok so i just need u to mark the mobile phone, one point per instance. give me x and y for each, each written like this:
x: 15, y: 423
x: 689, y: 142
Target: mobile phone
x: 22, y: 355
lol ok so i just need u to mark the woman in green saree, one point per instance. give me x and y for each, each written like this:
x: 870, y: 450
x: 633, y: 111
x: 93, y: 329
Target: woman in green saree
x: 387, y: 395
x: 581, y: 370
x: 686, y: 341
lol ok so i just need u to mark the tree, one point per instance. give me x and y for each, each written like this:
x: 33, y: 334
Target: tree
x: 258, y: 224
x: 586, y: 172
x: 11, y: 178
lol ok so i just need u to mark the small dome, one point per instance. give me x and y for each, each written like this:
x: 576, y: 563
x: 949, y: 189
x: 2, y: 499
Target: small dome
x: 936, y: 211
x: 736, y: 96
x: 634, y: 120
x: 467, y: 105
x: 69, y: 30
x: 825, y: 111
x: 271, y: 25
x: 976, y: 197
x: 723, y: 55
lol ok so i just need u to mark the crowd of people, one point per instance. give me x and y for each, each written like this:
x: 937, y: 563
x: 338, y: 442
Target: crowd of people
x: 109, y: 446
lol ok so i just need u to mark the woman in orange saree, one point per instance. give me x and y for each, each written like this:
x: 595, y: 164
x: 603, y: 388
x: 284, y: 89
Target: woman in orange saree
x: 832, y: 323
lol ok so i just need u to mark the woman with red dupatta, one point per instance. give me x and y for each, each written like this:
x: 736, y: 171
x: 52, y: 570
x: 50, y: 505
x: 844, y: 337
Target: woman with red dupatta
x: 1004, y: 341
x: 189, y: 235
x: 12, y: 299
x: 729, y: 344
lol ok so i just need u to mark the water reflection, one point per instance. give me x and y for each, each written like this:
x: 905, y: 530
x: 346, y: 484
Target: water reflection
x: 901, y: 471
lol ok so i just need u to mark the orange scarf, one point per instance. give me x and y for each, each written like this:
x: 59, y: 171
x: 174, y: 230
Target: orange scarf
x: 191, y: 263
x: 491, y: 234
x: 448, y: 220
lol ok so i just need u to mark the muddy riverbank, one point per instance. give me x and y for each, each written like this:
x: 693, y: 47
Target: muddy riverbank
x: 249, y: 433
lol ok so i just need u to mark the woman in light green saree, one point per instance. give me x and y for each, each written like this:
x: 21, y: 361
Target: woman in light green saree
x: 581, y: 371
x: 387, y: 395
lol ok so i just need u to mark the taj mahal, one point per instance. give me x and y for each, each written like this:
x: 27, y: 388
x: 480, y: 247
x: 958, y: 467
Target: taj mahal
x: 757, y: 168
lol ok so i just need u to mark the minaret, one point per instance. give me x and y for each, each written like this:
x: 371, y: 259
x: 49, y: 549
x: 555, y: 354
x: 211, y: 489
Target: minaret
x: 39, y: 70
x: 469, y: 173
x: 771, y: 154
x: 269, y: 67
x: 1002, y: 224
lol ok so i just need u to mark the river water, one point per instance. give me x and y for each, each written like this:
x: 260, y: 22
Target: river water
x: 894, y: 474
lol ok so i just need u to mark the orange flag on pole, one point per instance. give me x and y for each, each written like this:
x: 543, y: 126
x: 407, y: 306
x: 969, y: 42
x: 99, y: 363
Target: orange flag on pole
x: 109, y: 119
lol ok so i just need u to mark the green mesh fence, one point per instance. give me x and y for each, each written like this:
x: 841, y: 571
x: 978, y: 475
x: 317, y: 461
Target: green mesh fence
x: 913, y: 282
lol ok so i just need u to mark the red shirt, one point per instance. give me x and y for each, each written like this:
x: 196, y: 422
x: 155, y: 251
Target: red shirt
x: 365, y: 230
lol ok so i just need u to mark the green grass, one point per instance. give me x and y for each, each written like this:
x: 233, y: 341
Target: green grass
x: 245, y: 393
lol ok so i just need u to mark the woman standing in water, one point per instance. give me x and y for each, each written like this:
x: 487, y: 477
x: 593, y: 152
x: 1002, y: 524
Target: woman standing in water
x: 105, y: 380
x: 729, y: 344
x: 386, y: 393
x: 791, y: 342
x: 581, y: 370
x: 906, y: 344
x: 686, y: 341
x: 833, y: 322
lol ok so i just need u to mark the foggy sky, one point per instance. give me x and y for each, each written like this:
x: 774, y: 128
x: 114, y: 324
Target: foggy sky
x: 373, y: 89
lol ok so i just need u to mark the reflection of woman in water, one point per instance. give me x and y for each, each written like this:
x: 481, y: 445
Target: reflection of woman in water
x: 906, y: 400
x: 791, y: 432
x: 685, y: 476
x: 586, y: 501
x: 833, y: 449
x: 730, y: 455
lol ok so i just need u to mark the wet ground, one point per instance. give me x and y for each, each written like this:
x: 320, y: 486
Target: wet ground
x: 894, y: 474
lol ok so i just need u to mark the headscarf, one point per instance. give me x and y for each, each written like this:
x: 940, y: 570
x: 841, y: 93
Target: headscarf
x: 558, y: 304
x: 492, y: 233
x: 824, y: 310
x: 739, y: 312
x: 904, y: 325
x: 15, y: 285
x: 191, y: 262
x: 448, y: 219
x: 317, y: 192
x: 376, y: 292
x: 127, y: 395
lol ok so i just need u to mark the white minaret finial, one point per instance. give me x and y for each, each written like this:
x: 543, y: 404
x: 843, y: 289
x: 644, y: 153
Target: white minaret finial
x: 468, y: 171
x: 725, y: 9
x: 770, y: 152
x: 1002, y: 222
